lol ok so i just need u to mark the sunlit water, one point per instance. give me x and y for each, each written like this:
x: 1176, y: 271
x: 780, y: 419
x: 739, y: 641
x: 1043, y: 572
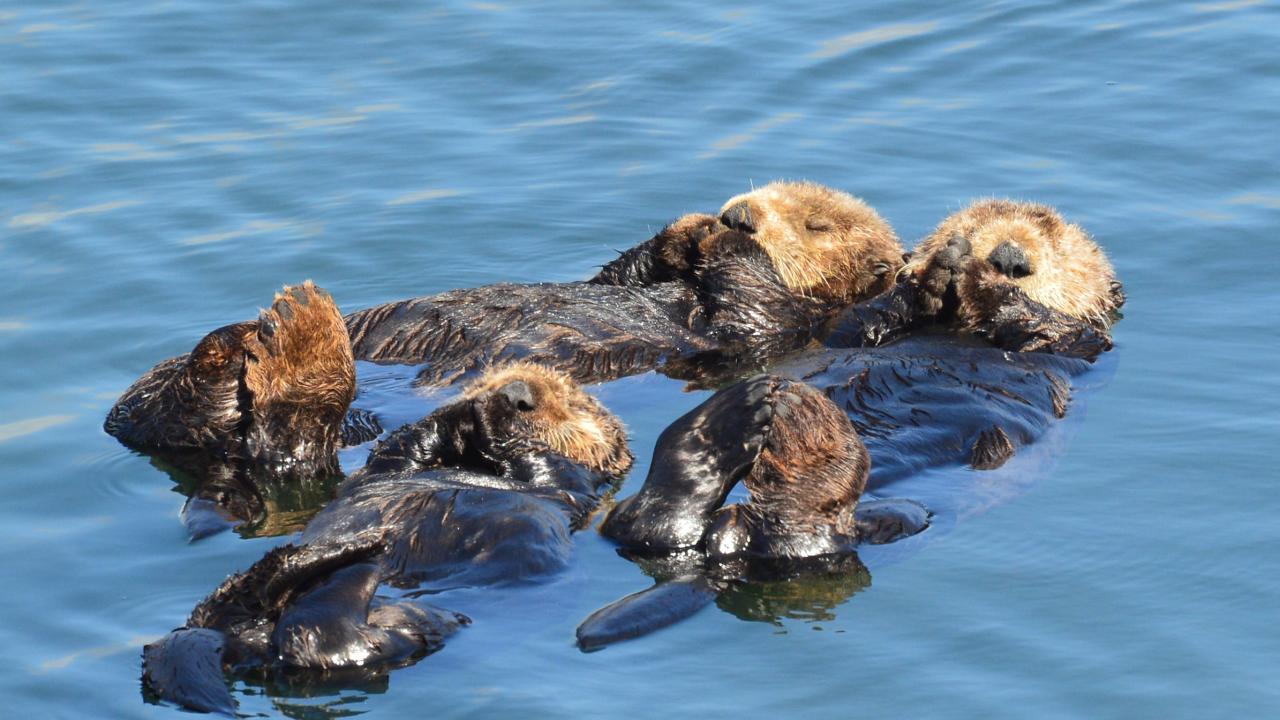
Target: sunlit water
x: 164, y: 166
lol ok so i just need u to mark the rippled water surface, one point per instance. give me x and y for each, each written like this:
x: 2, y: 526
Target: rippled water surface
x: 164, y: 166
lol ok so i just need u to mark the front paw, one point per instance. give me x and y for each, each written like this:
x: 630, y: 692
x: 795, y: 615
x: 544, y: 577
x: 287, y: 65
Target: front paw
x: 679, y: 245
x: 982, y: 292
x: 937, y: 279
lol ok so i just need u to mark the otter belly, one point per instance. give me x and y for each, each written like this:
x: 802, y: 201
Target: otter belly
x: 593, y: 332
x: 444, y: 533
x: 939, y: 399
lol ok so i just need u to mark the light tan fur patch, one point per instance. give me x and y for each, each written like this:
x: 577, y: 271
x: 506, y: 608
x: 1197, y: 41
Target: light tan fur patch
x: 1069, y: 272
x: 565, y: 418
x: 824, y: 243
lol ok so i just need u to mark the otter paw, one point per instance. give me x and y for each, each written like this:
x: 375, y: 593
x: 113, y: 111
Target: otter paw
x: 679, y: 244
x: 939, y: 275
x: 982, y: 291
x: 299, y: 315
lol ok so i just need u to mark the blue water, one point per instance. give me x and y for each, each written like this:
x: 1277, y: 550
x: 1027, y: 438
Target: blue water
x: 165, y: 165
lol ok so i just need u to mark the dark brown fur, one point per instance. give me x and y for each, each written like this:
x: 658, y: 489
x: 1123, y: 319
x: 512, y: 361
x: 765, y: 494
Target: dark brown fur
x: 269, y: 393
x: 701, y: 286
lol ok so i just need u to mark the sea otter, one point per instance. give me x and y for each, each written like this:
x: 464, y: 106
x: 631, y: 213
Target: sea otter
x: 1014, y: 273
x: 805, y: 468
x: 250, y: 421
x: 271, y: 393
x: 945, y: 391
x: 486, y: 490
x: 756, y: 279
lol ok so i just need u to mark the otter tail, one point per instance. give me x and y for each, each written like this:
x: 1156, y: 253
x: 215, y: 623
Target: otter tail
x: 185, y: 667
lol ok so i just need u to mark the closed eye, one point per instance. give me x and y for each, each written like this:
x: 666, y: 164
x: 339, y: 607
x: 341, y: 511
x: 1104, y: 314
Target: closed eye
x: 819, y: 224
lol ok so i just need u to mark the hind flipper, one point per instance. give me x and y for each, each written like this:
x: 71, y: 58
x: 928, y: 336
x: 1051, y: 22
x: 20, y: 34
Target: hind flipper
x: 638, y: 614
x: 300, y: 378
x: 185, y: 667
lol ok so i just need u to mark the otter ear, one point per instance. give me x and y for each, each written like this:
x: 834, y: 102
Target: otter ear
x: 1046, y: 218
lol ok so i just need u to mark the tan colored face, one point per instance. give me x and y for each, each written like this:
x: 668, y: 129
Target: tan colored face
x: 554, y: 410
x: 823, y: 243
x: 1054, y: 262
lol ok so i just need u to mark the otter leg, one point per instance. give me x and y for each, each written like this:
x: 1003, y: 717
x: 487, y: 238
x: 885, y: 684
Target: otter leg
x: 698, y: 459
x: 359, y: 427
x: 668, y: 256
x: 331, y: 625
x: 912, y: 302
x: 185, y: 667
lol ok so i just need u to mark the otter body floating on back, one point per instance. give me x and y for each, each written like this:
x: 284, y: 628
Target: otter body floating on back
x: 755, y: 280
x: 486, y: 490
x: 1016, y: 276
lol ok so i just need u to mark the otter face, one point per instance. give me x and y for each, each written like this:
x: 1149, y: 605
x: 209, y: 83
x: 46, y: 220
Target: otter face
x: 1031, y: 246
x: 533, y: 403
x: 823, y: 243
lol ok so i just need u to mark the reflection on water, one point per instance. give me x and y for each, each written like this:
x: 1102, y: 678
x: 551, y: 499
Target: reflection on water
x: 389, y: 150
x: 808, y: 594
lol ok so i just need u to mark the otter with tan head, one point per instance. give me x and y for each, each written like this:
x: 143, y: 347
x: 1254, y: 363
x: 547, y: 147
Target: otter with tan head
x: 486, y: 490
x: 755, y: 280
x: 1015, y: 273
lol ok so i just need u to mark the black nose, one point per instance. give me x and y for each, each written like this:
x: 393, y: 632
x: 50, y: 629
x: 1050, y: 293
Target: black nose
x: 738, y: 217
x: 519, y: 394
x: 1010, y: 260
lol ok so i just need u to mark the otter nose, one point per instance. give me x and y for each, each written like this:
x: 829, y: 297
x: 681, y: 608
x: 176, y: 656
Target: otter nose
x: 1009, y: 259
x: 738, y: 217
x: 519, y: 395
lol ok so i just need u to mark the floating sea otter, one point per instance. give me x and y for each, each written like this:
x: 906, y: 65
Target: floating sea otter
x: 250, y: 421
x: 1017, y: 274
x: 754, y: 281
x: 933, y: 398
x: 485, y: 490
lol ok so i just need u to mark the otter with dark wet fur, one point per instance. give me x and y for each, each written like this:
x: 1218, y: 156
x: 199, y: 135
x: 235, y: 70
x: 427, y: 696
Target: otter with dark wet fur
x: 754, y: 281
x: 934, y: 398
x: 486, y: 490
x: 249, y: 422
x: 805, y: 469
x: 270, y: 393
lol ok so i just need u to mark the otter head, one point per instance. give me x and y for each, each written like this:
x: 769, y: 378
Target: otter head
x: 523, y: 403
x: 823, y: 243
x: 1031, y: 246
